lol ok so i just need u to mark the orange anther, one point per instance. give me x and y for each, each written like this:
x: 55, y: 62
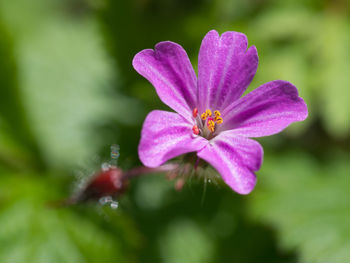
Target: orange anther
x: 208, y: 113
x: 217, y: 113
x: 218, y: 120
x: 211, y: 124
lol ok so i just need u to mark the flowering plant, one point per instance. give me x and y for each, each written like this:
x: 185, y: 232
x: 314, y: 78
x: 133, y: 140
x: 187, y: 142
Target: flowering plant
x: 212, y: 119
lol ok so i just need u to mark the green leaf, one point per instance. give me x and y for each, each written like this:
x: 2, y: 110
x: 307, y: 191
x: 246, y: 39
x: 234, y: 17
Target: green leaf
x: 33, y: 231
x: 18, y: 147
x: 65, y: 78
x: 184, y: 241
x: 13, y: 153
x: 310, y: 50
x: 283, y: 37
x: 308, y: 203
x: 335, y: 63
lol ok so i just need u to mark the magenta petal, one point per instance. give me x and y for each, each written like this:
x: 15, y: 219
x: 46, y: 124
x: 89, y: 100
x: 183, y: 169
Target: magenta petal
x: 225, y: 69
x: 266, y: 110
x: 166, y: 135
x: 235, y: 158
x: 170, y: 71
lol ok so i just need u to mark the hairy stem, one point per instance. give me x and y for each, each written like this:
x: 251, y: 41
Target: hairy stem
x: 142, y: 170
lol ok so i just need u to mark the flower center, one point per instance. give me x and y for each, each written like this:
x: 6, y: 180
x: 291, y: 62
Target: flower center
x: 206, y: 123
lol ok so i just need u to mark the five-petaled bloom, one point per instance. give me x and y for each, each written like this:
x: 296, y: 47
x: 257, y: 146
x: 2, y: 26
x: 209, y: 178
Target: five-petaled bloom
x: 212, y: 118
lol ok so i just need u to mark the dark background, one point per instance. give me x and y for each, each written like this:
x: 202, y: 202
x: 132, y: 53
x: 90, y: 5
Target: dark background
x: 68, y: 91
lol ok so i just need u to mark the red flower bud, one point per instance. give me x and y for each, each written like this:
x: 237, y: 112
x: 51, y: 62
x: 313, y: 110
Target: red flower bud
x: 107, y: 182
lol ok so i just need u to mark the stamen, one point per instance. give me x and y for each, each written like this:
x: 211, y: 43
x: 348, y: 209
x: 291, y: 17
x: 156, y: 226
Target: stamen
x: 208, y: 112
x: 195, y: 129
x: 195, y: 112
x: 211, y: 124
x: 217, y: 113
x: 218, y: 120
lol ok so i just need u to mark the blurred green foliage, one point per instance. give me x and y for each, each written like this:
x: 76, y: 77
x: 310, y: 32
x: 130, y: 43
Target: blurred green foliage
x: 68, y: 91
x: 308, y: 203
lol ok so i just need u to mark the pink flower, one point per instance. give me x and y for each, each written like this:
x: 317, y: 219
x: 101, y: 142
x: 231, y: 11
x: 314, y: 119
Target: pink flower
x: 211, y: 117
